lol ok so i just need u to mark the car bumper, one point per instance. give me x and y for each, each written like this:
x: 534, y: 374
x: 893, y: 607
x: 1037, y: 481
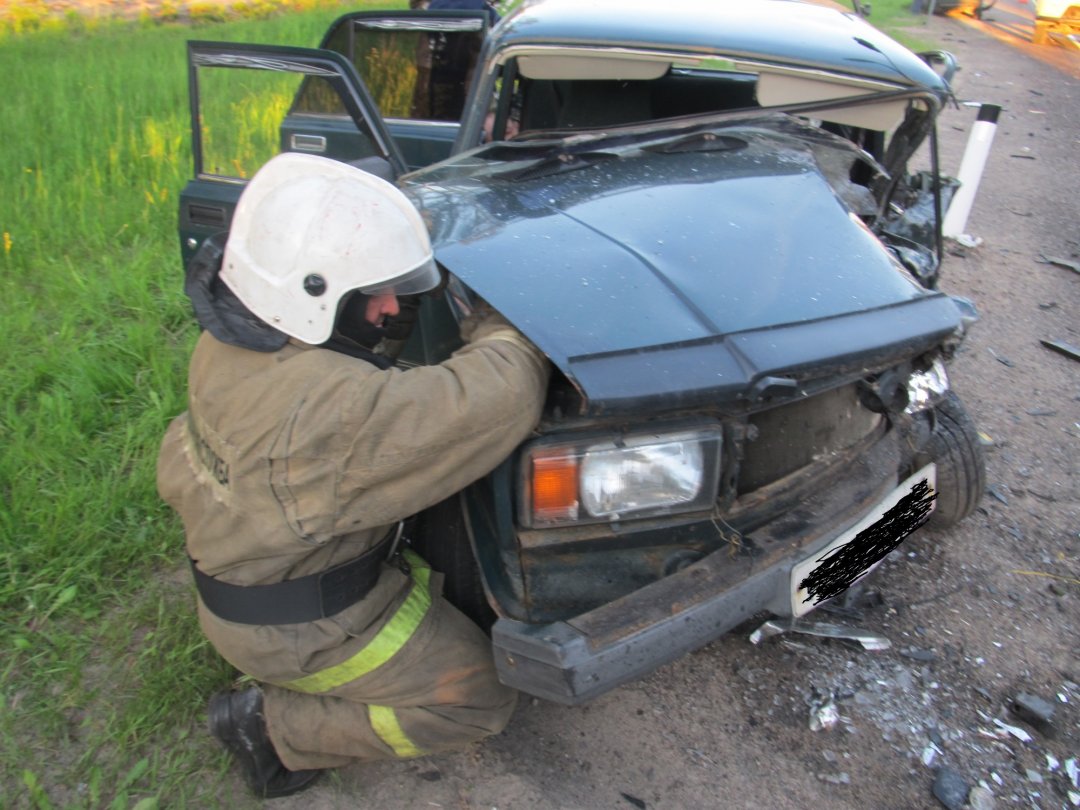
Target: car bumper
x: 576, y: 660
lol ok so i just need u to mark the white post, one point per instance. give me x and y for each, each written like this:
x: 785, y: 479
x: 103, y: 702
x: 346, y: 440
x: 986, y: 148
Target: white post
x: 971, y: 169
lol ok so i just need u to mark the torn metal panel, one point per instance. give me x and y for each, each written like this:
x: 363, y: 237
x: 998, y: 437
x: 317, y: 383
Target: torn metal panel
x: 775, y: 627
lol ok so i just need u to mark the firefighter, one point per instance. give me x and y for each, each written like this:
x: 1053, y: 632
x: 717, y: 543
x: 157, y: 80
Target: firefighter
x: 302, y: 451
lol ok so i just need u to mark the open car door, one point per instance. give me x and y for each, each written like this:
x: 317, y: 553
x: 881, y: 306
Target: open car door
x: 419, y: 66
x: 250, y: 102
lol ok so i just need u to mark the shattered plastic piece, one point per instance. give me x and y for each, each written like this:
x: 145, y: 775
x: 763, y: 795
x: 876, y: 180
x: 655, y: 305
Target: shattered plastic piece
x: 775, y: 627
x: 967, y: 240
x: 768, y: 630
x: 1016, y: 731
x: 1005, y: 361
x: 1061, y: 347
x: 1074, y: 798
x: 1033, y: 776
x: 824, y: 717
x: 929, y: 754
x: 1068, y: 265
x: 1073, y: 771
x: 1052, y: 763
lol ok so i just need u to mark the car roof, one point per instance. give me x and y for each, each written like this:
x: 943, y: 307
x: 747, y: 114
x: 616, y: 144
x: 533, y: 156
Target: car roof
x: 817, y: 35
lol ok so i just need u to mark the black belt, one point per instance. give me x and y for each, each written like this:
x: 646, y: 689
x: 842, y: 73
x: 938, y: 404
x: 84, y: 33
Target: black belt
x: 304, y: 599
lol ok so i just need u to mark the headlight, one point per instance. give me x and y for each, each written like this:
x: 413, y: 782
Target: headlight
x: 638, y: 475
x: 925, y: 388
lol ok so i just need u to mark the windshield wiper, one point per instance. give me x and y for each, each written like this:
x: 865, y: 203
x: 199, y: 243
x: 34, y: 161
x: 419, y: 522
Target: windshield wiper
x: 557, y: 164
x: 699, y: 142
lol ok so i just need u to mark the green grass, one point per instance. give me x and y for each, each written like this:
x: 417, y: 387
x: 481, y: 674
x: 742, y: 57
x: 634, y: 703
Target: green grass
x: 103, y: 672
x: 895, y: 18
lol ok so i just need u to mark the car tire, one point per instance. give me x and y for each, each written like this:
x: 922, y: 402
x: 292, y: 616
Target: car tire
x: 955, y: 448
x: 439, y: 536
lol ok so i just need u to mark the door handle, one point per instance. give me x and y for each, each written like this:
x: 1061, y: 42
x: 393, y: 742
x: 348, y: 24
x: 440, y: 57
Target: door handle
x: 210, y: 215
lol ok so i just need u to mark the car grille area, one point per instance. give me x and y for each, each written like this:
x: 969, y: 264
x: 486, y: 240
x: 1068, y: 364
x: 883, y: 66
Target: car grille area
x: 789, y: 437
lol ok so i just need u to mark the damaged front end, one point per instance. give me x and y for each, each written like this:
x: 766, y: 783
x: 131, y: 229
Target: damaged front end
x: 747, y: 375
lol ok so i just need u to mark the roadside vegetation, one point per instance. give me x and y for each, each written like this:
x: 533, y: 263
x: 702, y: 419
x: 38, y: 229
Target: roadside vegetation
x: 896, y: 18
x: 104, y: 674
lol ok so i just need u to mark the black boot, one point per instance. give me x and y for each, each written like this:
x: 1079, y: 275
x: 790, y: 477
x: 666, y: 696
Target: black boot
x: 236, y: 719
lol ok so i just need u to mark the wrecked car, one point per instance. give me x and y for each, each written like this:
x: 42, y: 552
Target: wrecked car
x: 704, y: 215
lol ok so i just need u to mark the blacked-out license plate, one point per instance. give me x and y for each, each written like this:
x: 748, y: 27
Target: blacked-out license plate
x: 856, y: 552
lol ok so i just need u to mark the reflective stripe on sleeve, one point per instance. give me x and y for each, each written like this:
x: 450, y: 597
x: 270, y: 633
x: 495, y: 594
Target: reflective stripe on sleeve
x: 394, y: 635
x: 384, y: 722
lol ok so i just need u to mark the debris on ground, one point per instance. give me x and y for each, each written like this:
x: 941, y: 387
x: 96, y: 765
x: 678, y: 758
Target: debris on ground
x: 1068, y: 265
x: 980, y: 798
x: 977, y: 755
x: 1034, y: 710
x: 967, y: 240
x: 824, y: 717
x: 1041, y: 412
x: 774, y: 627
x: 950, y: 788
x: 1006, y: 730
x: 842, y: 778
x: 1061, y: 347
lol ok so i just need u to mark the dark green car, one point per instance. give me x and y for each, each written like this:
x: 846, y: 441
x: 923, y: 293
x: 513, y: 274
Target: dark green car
x: 702, y: 212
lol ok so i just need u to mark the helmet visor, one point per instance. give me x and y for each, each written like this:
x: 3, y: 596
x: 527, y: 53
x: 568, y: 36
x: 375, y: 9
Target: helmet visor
x: 420, y: 279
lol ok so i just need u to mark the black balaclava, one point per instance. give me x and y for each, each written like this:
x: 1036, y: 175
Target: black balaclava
x: 218, y: 310
x: 356, y: 336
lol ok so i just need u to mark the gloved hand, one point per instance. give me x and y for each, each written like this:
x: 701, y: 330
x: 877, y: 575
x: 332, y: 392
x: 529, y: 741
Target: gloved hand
x: 482, y: 321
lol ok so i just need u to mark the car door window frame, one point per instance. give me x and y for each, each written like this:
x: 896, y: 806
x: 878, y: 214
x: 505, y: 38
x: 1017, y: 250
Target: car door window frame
x: 329, y: 65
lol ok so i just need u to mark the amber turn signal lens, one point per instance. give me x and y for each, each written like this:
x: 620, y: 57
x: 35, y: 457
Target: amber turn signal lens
x: 554, y: 488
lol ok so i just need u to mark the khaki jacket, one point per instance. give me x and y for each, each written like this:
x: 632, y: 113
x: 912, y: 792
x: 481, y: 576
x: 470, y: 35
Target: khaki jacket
x: 290, y: 462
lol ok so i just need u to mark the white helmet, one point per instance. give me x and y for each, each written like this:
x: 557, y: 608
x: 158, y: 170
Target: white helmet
x: 309, y: 230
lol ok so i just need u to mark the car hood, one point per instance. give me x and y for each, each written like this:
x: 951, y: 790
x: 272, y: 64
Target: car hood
x: 680, y: 271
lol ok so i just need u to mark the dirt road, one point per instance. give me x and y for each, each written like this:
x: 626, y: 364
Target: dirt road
x: 976, y: 615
